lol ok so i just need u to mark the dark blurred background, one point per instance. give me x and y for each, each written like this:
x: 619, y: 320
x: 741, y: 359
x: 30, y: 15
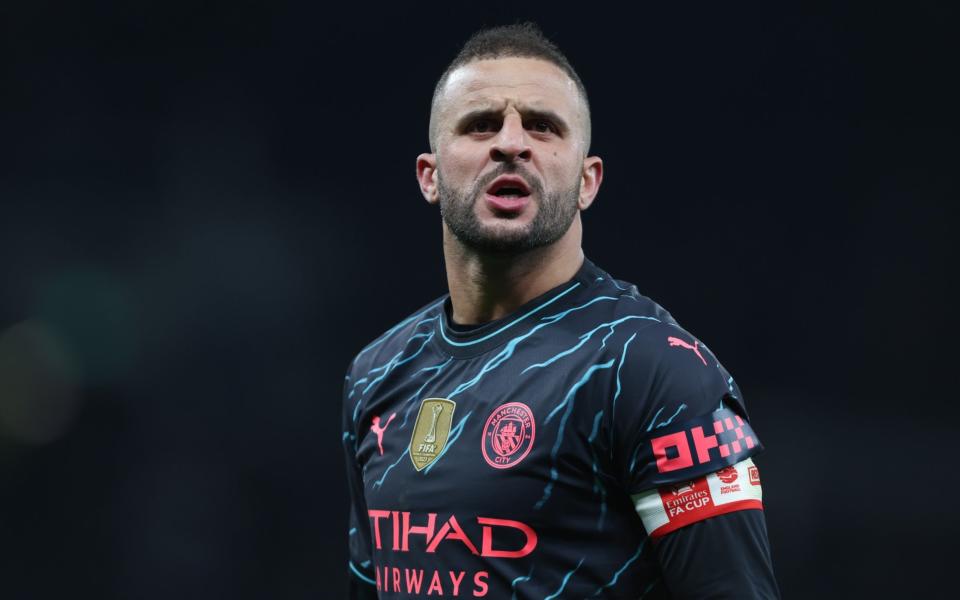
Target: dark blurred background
x: 206, y: 209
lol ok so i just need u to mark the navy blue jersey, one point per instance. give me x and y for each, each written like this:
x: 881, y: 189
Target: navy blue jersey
x: 573, y: 449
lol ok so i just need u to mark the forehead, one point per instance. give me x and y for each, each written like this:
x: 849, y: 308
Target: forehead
x: 501, y: 82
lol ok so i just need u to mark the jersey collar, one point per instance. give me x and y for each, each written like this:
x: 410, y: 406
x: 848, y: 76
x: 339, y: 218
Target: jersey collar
x: 478, y: 340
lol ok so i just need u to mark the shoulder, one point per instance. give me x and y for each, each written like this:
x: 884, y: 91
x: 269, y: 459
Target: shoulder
x: 635, y: 317
x: 658, y: 357
x: 418, y: 324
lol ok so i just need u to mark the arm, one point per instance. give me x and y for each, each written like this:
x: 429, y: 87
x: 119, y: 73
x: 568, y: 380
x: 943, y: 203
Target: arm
x: 691, y: 474
x: 709, y: 535
x: 726, y: 556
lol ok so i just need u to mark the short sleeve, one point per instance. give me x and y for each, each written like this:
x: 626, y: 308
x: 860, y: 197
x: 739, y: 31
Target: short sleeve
x: 679, y: 413
x: 362, y: 584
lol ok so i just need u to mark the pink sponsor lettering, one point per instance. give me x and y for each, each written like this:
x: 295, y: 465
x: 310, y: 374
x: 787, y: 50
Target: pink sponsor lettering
x: 435, y: 584
x: 488, y: 550
x: 414, y: 580
x: 456, y: 582
x: 449, y: 530
x: 426, y: 531
x: 480, y: 581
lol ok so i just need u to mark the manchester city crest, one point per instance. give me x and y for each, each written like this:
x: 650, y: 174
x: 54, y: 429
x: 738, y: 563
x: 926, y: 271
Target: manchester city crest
x: 508, y: 435
x: 431, y: 431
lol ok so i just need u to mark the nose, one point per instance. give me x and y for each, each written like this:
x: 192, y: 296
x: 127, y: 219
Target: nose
x: 510, y: 144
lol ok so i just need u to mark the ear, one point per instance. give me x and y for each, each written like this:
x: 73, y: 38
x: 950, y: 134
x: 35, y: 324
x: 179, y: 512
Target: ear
x: 427, y: 177
x: 590, y: 179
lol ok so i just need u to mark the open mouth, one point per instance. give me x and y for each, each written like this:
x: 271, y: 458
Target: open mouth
x: 509, y: 187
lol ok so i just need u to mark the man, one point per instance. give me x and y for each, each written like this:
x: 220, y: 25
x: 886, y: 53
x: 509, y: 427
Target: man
x: 544, y: 431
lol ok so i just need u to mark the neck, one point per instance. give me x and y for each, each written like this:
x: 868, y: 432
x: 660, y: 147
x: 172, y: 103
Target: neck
x: 485, y: 287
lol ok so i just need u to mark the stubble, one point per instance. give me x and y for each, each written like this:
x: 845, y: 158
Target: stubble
x: 555, y: 213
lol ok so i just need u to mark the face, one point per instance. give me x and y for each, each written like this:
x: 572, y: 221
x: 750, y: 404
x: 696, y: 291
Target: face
x: 509, y: 171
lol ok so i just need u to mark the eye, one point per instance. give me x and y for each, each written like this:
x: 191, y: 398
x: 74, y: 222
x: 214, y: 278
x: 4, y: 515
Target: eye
x: 542, y: 126
x: 481, y: 126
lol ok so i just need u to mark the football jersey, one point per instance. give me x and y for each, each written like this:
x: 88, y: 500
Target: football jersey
x: 539, y: 455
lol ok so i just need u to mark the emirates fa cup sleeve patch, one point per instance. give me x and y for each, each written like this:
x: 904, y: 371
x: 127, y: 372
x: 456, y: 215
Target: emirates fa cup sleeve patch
x: 673, y: 506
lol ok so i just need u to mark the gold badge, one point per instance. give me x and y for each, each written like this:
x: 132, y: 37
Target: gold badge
x: 431, y: 431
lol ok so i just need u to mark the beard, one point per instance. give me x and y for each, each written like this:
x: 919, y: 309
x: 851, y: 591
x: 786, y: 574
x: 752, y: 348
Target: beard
x: 555, y: 213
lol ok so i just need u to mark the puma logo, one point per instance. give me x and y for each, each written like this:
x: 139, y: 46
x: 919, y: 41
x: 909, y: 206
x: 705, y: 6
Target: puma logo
x: 695, y: 347
x: 377, y: 429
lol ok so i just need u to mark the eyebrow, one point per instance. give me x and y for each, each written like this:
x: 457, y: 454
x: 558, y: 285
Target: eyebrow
x: 525, y: 112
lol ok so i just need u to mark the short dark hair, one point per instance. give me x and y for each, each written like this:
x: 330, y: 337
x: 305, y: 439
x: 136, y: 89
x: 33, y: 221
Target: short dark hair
x: 521, y: 40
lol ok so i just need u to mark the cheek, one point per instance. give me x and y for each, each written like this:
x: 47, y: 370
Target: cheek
x: 465, y: 152
x: 561, y: 173
x: 454, y: 170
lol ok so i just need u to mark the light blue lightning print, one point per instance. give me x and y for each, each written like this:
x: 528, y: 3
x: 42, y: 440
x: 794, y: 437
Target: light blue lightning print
x: 508, y: 350
x: 563, y: 585
x: 621, y: 570
x: 584, y: 338
x: 636, y: 450
x: 573, y: 390
x: 730, y: 390
x: 613, y: 410
x: 411, y: 400
x: 390, y: 365
x: 353, y: 388
x: 598, y: 486
x: 654, y: 419
x: 568, y: 402
x: 596, y: 426
x: 511, y: 323
x: 493, y: 363
x: 489, y: 366
x: 402, y: 324
x: 363, y: 577
x: 518, y: 581
x: 629, y: 291
x: 452, y: 437
x: 396, y: 357
x: 396, y: 362
x: 680, y: 409
x: 556, y: 317
x: 498, y: 360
